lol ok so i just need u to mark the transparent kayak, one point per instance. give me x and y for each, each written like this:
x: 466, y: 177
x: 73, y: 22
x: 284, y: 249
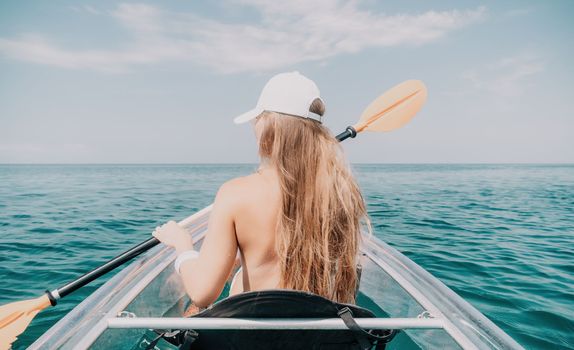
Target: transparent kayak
x: 148, y: 294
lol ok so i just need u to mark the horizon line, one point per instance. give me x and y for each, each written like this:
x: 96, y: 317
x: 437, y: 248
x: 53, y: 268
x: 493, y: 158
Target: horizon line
x: 357, y: 163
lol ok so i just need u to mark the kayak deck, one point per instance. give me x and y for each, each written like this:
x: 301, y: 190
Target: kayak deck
x: 148, y: 294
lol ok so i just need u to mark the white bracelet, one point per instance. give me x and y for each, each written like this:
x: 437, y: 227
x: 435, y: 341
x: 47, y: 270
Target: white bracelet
x: 190, y: 254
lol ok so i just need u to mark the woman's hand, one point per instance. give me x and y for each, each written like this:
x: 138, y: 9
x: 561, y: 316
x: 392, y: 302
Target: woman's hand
x: 172, y: 235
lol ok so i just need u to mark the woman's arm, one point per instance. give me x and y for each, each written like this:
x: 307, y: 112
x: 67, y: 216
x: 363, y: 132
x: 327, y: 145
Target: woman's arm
x: 205, y: 276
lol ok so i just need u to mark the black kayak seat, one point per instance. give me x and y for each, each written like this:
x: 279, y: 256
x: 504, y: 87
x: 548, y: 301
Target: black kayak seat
x: 286, y: 304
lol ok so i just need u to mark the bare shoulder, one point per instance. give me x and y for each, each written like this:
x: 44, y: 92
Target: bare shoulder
x: 239, y: 189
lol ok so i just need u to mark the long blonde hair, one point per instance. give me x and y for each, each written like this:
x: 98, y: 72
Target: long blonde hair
x: 318, y: 229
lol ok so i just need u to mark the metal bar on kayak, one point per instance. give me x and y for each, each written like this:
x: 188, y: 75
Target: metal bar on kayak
x: 466, y: 325
x: 271, y: 323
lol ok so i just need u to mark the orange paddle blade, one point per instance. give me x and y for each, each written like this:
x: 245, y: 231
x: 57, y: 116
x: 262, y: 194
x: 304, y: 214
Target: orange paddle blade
x: 394, y: 108
x: 15, y: 318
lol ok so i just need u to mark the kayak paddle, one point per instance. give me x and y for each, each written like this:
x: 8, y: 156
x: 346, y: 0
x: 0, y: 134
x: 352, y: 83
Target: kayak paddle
x: 390, y: 111
x: 398, y: 106
x: 15, y: 317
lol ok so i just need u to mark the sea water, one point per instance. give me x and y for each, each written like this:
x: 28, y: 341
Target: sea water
x: 501, y: 236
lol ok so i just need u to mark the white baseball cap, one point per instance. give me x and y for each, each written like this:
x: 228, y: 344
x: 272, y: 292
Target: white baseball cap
x: 287, y: 93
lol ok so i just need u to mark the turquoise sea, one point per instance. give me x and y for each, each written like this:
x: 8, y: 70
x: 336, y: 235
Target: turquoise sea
x: 501, y: 236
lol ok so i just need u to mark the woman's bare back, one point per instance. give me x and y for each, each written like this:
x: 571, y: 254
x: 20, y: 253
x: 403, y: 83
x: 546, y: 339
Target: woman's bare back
x: 246, y: 211
x: 255, y: 220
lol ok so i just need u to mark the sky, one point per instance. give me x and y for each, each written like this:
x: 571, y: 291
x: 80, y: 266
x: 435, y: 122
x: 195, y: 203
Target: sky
x: 160, y: 82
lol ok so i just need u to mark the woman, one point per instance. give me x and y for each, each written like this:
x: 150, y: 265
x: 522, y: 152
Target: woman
x: 295, y: 222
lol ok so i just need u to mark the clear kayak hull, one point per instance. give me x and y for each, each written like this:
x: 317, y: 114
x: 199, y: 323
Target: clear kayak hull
x: 149, y: 294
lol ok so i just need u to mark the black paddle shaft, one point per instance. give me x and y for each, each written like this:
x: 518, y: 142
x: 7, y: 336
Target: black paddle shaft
x: 135, y: 251
x: 349, y: 132
x: 102, y: 270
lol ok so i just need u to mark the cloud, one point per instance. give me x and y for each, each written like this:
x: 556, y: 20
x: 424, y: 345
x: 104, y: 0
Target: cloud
x: 86, y: 9
x: 285, y: 33
x: 520, y: 12
x: 508, y: 77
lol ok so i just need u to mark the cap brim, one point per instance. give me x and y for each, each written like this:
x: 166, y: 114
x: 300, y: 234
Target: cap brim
x: 247, y: 116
